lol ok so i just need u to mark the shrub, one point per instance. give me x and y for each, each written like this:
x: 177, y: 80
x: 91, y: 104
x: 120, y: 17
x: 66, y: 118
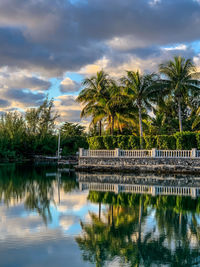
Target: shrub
x: 150, y: 141
x: 185, y: 140
x: 109, y: 142
x: 123, y: 141
x: 96, y: 142
x: 134, y: 142
x: 166, y: 142
x: 198, y: 140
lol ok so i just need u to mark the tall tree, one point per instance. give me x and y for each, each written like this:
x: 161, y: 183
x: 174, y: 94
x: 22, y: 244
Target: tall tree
x: 92, y: 97
x: 141, y: 90
x: 180, y: 81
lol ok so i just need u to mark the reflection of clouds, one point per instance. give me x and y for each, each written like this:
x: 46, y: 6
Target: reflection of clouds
x: 16, y: 223
x: 72, y: 201
x: 67, y: 221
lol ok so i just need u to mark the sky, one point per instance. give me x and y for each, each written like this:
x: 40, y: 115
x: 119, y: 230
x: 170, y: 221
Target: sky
x: 48, y: 47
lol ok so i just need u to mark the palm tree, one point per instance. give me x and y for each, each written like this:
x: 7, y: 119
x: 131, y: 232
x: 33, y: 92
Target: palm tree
x: 141, y: 90
x: 180, y: 80
x: 92, y: 97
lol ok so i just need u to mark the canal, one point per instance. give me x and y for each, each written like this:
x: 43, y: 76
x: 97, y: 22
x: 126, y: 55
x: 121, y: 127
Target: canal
x: 49, y: 217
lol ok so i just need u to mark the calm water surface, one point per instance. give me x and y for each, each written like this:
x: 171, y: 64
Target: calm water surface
x: 50, y: 218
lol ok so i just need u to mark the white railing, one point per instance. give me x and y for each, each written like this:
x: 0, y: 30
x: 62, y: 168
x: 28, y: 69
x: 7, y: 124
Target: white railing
x: 141, y: 189
x: 99, y: 153
x: 154, y: 153
x: 173, y: 153
x: 136, y: 153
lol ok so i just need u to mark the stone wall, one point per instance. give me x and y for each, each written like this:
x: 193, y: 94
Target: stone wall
x: 159, y: 165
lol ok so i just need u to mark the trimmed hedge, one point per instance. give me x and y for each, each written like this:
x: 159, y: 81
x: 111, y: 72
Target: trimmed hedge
x: 184, y: 140
x: 96, y: 142
x: 165, y: 142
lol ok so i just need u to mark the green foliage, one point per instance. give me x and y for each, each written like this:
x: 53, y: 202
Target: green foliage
x: 109, y: 141
x: 182, y: 141
x: 24, y: 137
x: 198, y: 140
x: 166, y: 142
x: 150, y: 141
x: 133, y: 142
x: 72, y: 129
x: 96, y: 142
x: 185, y: 140
x: 123, y: 141
x: 71, y: 145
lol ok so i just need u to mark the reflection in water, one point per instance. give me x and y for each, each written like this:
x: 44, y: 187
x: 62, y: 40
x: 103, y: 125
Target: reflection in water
x: 141, y: 229
x: 36, y: 187
x: 114, y: 220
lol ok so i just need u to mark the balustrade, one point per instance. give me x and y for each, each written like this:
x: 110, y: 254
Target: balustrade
x: 154, y: 153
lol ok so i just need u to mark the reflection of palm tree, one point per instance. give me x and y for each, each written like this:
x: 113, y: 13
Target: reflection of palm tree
x: 102, y: 241
x: 128, y: 237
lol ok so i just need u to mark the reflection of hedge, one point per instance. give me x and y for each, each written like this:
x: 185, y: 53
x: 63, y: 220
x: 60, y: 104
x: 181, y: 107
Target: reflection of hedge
x: 184, y: 140
x: 175, y: 203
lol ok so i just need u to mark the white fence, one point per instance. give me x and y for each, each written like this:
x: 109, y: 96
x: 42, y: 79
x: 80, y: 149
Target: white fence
x: 153, y: 153
x: 141, y: 189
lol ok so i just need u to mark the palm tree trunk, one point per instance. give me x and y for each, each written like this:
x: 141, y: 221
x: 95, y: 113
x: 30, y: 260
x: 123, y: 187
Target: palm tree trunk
x: 100, y: 128
x: 109, y: 123
x: 113, y: 121
x: 99, y: 210
x: 179, y: 115
x: 140, y: 125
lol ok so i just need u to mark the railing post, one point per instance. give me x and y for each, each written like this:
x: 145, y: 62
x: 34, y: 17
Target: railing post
x: 81, y: 152
x: 153, y: 190
x: 193, y: 152
x: 116, y: 188
x: 193, y: 192
x: 153, y: 152
x: 117, y: 152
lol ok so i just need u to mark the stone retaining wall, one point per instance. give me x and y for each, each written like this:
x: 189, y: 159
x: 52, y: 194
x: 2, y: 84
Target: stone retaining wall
x: 157, y: 165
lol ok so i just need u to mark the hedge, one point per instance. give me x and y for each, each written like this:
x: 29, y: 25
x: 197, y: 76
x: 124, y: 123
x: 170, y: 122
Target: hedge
x: 182, y: 141
x: 186, y: 140
x: 165, y: 142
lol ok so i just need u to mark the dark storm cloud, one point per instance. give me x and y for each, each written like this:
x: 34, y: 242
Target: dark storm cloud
x: 4, y: 103
x: 71, y: 116
x: 58, y: 36
x: 21, y: 81
x: 26, y: 98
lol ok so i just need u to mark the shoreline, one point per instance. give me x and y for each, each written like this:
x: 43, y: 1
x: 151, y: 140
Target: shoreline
x: 158, y: 169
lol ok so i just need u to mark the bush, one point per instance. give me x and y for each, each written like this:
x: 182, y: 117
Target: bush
x: 182, y: 141
x: 109, y: 142
x: 134, y: 142
x: 70, y: 145
x: 150, y: 141
x: 198, y: 140
x: 123, y: 141
x: 96, y: 142
x: 185, y: 140
x: 165, y: 142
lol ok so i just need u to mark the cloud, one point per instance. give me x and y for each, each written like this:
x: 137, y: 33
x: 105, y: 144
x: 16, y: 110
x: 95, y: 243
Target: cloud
x: 53, y: 38
x: 69, y: 110
x: 4, y: 103
x: 26, y: 98
x: 22, y: 80
x: 41, y: 40
x: 69, y: 86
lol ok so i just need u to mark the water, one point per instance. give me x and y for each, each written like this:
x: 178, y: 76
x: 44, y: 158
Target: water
x: 50, y: 218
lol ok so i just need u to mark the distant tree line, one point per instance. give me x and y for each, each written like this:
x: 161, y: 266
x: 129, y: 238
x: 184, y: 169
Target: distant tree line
x: 35, y: 133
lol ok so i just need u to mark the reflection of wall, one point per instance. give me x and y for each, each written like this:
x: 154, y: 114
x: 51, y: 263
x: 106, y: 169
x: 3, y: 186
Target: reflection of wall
x: 141, y: 189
